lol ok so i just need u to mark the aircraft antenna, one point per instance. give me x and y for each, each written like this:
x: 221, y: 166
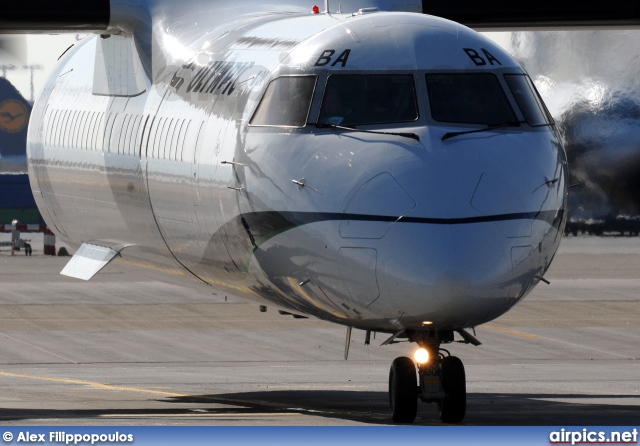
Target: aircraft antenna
x: 326, y: 6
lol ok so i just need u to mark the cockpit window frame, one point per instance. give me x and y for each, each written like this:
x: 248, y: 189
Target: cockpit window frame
x: 542, y: 107
x: 504, y: 91
x: 284, y: 126
x: 412, y: 74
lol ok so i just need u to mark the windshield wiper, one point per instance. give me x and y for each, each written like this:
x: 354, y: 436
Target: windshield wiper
x: 486, y: 129
x: 353, y: 129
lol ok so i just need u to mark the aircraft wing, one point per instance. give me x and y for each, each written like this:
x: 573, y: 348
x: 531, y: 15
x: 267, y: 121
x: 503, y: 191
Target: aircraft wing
x: 97, y: 15
x: 539, y: 14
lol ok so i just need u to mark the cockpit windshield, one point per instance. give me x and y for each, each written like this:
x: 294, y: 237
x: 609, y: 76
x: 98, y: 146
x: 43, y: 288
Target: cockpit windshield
x: 468, y: 98
x: 528, y: 99
x: 355, y: 99
x: 286, y: 102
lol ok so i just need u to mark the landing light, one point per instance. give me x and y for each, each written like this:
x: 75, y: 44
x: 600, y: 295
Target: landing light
x: 421, y: 355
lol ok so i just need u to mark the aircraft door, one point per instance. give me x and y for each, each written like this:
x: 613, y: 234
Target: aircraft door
x: 216, y: 189
x: 167, y: 157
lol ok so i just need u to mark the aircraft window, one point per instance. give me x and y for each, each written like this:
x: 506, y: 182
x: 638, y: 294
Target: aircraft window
x: 68, y: 138
x: 145, y: 136
x: 63, y: 128
x: 140, y: 126
x: 176, y: 139
x: 84, y: 144
x: 154, y: 141
x: 286, y: 102
x: 125, y: 135
x: 181, y: 139
x: 51, y: 126
x: 78, y: 130
x: 56, y: 133
x: 169, y: 138
x: 528, y: 99
x: 67, y: 128
x: 75, y: 143
x: 71, y: 131
x: 116, y: 133
x: 155, y: 129
x: 97, y: 143
x: 134, y: 135
x: 131, y: 135
x: 468, y: 98
x: 73, y: 124
x: 83, y: 130
x: 59, y: 125
x: 111, y: 119
x: 96, y: 130
x: 165, y: 138
x: 163, y: 127
x: 51, y: 129
x: 354, y: 99
x: 86, y: 137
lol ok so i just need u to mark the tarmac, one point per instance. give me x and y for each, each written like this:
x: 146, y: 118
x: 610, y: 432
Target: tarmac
x: 119, y: 350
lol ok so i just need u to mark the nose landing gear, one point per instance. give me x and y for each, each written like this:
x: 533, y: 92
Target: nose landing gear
x: 441, y: 379
x: 403, y: 393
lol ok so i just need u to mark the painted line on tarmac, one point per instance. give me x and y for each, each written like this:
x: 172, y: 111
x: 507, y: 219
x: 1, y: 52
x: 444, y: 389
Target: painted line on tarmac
x: 526, y: 335
x: 97, y: 385
x: 200, y: 415
x: 221, y: 400
x: 521, y: 334
x: 109, y: 387
x: 38, y: 348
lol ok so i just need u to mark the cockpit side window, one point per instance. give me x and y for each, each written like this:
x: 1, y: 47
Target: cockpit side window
x: 528, y: 99
x: 468, y: 98
x: 286, y: 102
x: 356, y: 99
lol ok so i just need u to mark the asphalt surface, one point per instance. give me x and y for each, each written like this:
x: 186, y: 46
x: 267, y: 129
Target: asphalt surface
x: 123, y: 351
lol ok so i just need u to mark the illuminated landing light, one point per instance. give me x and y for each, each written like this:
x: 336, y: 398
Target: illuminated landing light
x: 421, y: 356
x: 315, y: 10
x: 427, y: 323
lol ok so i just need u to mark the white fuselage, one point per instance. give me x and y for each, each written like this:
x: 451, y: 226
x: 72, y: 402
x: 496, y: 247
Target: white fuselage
x: 371, y: 230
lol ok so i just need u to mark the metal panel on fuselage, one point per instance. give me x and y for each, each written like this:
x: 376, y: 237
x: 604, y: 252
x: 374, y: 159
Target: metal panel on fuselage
x: 84, y: 152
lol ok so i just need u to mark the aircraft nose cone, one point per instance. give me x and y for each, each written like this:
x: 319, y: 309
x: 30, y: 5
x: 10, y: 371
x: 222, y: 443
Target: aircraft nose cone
x: 449, y: 274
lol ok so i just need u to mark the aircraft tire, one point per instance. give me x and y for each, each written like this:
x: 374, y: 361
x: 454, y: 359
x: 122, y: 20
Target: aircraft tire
x: 454, y: 404
x: 403, y: 390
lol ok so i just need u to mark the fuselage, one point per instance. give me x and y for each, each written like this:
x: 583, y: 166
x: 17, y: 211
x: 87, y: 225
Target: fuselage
x: 317, y: 162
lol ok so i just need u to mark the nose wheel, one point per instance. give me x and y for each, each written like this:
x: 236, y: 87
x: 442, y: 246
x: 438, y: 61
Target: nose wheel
x: 441, y: 381
x: 403, y: 390
x: 454, y: 404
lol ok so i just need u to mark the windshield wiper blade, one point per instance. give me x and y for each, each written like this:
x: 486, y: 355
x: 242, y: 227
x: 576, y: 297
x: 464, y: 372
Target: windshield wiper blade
x: 353, y: 129
x: 486, y: 129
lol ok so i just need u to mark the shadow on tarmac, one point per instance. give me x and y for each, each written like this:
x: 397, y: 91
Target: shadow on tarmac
x: 490, y: 409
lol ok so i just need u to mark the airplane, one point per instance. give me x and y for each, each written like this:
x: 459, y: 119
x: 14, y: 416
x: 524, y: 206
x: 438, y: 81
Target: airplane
x: 16, y: 199
x: 363, y: 163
